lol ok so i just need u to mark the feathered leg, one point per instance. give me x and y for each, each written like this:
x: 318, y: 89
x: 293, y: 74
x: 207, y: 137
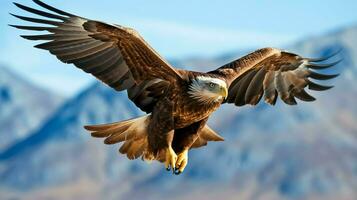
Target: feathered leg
x: 183, y: 140
x: 161, y: 133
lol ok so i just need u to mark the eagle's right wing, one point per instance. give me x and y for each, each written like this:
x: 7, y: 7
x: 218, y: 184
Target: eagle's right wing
x: 116, y: 55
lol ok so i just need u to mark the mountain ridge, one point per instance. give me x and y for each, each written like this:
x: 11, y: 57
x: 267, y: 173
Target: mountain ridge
x: 21, y: 111
x: 268, y: 153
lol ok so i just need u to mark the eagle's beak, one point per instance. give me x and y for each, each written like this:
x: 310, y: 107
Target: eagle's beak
x: 224, y: 92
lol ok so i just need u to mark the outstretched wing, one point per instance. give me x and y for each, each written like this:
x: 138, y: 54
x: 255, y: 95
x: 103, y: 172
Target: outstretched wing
x: 116, y: 55
x: 271, y: 73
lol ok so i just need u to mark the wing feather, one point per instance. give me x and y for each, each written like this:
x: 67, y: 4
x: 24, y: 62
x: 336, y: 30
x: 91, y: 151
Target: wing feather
x: 243, y: 85
x: 114, y: 54
x: 255, y: 88
x: 271, y: 73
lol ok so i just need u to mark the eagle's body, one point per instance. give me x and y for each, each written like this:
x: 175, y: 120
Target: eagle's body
x: 178, y: 102
x: 178, y: 111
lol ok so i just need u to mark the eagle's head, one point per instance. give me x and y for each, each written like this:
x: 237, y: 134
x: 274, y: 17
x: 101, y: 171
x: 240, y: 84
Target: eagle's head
x: 208, y: 89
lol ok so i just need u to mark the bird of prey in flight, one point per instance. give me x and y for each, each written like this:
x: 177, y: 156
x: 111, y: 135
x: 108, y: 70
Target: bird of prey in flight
x: 178, y: 102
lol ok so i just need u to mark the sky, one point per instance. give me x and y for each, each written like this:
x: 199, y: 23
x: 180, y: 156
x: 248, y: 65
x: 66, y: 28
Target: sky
x: 176, y: 29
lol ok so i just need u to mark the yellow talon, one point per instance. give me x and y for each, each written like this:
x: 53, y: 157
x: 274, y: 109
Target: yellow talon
x: 181, y: 162
x: 170, y: 159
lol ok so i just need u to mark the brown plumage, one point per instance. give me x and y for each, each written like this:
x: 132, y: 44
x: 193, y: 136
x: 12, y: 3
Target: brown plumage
x: 178, y: 102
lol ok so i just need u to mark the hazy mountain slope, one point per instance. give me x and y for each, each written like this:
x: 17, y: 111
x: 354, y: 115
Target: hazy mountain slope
x: 63, y: 137
x: 303, y: 152
x: 23, y: 107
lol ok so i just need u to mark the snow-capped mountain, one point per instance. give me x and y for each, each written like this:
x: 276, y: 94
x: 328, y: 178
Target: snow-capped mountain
x: 307, y: 151
x: 23, y: 107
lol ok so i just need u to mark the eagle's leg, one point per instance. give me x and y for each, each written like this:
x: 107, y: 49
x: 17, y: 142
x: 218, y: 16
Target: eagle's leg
x: 161, y: 133
x: 182, y: 160
x: 182, y: 142
x: 170, y: 159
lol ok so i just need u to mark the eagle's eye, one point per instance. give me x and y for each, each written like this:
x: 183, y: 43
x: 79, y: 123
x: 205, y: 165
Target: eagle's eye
x: 211, y: 85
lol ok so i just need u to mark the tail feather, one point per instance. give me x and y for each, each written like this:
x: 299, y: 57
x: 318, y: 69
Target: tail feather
x: 210, y: 135
x: 125, y: 147
x: 135, y: 149
x: 206, y: 135
x: 111, y: 131
x: 132, y: 132
x: 101, y: 127
x: 121, y: 136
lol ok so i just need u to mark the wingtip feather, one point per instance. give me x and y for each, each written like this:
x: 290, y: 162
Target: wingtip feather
x: 318, y: 76
x: 53, y: 9
x: 318, y: 87
x: 323, y: 66
x: 325, y: 58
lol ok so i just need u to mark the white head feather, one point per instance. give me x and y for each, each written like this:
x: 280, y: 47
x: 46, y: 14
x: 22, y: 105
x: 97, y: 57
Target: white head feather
x: 198, y: 91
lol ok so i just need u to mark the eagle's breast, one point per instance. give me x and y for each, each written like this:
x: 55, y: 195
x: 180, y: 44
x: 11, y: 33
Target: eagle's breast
x: 188, y: 111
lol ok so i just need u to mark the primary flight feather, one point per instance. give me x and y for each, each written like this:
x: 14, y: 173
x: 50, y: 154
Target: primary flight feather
x: 178, y: 102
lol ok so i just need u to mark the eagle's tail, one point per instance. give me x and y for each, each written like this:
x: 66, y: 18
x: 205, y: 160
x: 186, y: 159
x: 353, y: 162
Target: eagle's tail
x: 132, y: 132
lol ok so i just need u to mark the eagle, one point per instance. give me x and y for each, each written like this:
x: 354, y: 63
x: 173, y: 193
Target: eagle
x: 177, y: 102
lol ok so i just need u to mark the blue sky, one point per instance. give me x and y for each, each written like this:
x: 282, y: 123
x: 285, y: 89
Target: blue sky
x: 177, y: 29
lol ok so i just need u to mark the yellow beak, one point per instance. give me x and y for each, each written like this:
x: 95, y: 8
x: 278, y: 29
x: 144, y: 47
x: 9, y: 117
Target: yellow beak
x: 224, y: 92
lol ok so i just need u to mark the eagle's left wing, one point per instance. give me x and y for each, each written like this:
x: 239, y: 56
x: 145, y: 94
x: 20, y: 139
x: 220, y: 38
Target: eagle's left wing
x: 271, y: 73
